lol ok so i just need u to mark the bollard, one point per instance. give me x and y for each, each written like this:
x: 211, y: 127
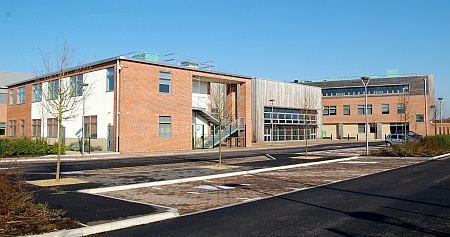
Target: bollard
x: 331, y: 137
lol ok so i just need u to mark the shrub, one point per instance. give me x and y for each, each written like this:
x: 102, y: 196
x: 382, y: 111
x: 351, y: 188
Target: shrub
x: 19, y: 214
x: 28, y: 147
x: 427, y: 146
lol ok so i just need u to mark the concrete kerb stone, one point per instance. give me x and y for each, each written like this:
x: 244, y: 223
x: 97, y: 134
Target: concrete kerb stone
x: 216, y: 176
x: 115, y: 225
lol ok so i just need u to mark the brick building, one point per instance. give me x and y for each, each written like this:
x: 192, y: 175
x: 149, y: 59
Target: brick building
x: 136, y: 103
x: 392, y: 101
x: 8, y: 78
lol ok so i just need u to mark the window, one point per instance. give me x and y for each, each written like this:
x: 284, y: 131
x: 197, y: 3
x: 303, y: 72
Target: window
x: 326, y: 110
x: 110, y: 79
x: 21, y: 95
x: 400, y: 108
x: 11, y: 97
x: 37, y: 92
x: 329, y: 110
x: 385, y: 109
x: 372, y: 128
x: 3, y: 98
x: 362, y: 111
x: 22, y: 128
x: 53, y: 89
x: 36, y: 128
x: 346, y: 109
x: 12, y: 128
x: 76, y: 89
x: 361, y: 128
x: 52, y: 127
x: 90, y: 126
x: 165, y: 127
x: 165, y: 82
x: 2, y: 129
x: 419, y: 118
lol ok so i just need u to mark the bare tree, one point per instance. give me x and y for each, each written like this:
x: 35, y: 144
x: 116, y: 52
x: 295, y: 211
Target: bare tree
x: 61, y: 94
x: 311, y: 102
x: 223, y: 111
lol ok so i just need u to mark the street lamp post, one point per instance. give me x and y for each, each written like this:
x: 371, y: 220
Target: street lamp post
x: 365, y: 81
x: 440, y: 112
x: 426, y: 106
x: 83, y: 85
x: 271, y: 122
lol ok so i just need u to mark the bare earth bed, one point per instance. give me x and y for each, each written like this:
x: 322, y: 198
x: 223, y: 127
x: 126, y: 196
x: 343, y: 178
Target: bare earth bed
x: 203, y: 195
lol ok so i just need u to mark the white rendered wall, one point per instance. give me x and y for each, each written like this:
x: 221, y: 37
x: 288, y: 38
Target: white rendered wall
x: 98, y: 102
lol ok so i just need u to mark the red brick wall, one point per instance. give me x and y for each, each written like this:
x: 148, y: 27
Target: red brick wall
x: 141, y: 104
x: 417, y: 106
x: 20, y: 112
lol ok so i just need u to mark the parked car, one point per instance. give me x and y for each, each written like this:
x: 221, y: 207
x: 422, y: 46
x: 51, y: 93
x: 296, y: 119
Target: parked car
x: 411, y: 134
x: 396, y: 139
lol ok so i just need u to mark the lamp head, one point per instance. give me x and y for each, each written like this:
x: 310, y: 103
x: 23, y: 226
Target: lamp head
x: 365, y: 80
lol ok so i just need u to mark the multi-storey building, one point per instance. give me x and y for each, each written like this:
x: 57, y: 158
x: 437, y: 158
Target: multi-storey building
x: 8, y: 78
x: 394, y: 104
x: 137, y: 103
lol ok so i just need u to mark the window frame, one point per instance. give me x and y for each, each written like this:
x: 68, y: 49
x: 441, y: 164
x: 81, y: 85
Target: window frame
x: 346, y: 110
x: 75, y: 85
x: 12, y: 128
x: 21, y: 95
x: 53, y: 89
x: 37, y: 92
x: 384, y: 107
x: 36, y: 126
x: 420, y: 118
x: 401, y: 108
x: 165, y: 127
x: 110, y: 79
x: 52, y: 127
x: 11, y: 97
x: 90, y: 126
x: 165, y: 79
x: 2, y: 129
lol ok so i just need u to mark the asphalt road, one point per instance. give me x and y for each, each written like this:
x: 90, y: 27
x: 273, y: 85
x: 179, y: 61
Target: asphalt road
x: 410, y: 201
x: 44, y: 167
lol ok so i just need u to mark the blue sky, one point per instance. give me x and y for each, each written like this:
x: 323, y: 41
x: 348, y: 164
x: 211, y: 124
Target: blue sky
x: 280, y: 40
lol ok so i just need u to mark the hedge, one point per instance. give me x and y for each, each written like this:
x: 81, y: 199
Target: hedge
x: 28, y: 147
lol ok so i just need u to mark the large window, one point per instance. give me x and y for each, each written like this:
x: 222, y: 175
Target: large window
x: 76, y: 89
x: 165, y: 82
x: 90, y: 126
x: 110, y: 79
x: 12, y: 128
x: 21, y: 95
x: 346, y: 110
x: 11, y: 97
x: 52, y: 127
x: 36, y: 128
x: 400, y: 108
x: 2, y: 129
x: 329, y: 110
x: 385, y: 109
x: 37, y: 92
x: 398, y: 127
x: 165, y: 126
x: 53, y: 89
x: 361, y: 109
